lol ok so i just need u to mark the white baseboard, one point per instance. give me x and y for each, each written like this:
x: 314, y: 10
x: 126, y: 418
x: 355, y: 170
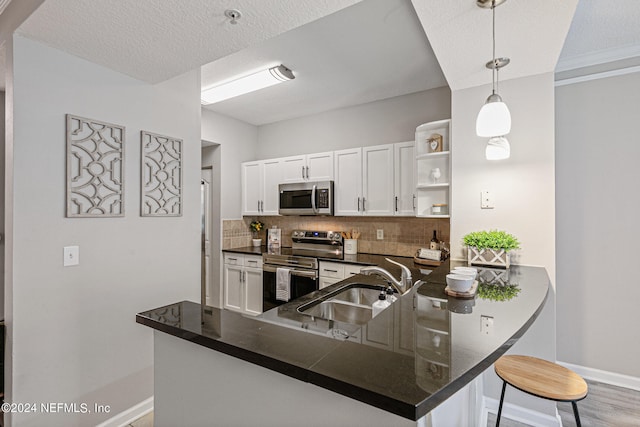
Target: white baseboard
x: 612, y: 378
x: 125, y: 418
x: 520, y: 414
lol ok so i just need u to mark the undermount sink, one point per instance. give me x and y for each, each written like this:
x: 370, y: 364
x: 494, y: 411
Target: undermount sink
x: 350, y: 304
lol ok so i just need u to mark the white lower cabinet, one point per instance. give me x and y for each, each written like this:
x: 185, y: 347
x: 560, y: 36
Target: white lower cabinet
x: 243, y: 283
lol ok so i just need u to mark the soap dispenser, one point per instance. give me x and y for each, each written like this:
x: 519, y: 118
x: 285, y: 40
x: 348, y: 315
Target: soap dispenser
x: 381, y: 304
x: 391, y: 298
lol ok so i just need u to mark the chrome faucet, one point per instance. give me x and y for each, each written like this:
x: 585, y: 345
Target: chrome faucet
x: 402, y: 285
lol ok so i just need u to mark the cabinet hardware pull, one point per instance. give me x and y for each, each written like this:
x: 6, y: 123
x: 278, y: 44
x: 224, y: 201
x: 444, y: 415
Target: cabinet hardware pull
x: 252, y: 261
x: 241, y: 276
x: 261, y: 205
x: 414, y: 201
x: 232, y: 259
x: 332, y: 271
x: 363, y: 205
x: 303, y: 172
x: 396, y: 203
x: 245, y: 277
x: 307, y: 172
x: 258, y: 205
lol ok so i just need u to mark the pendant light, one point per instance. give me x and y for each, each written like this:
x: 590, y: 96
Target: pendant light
x: 494, y: 119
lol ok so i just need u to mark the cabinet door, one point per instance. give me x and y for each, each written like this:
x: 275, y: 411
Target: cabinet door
x: 251, y: 188
x: 348, y: 182
x: 233, y: 281
x: 271, y: 178
x: 326, y: 281
x: 351, y: 269
x: 377, y: 182
x: 253, y: 291
x: 320, y: 166
x: 293, y: 168
x: 403, y: 162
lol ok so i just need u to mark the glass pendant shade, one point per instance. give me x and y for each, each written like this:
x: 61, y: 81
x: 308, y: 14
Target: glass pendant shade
x: 494, y: 118
x: 498, y: 148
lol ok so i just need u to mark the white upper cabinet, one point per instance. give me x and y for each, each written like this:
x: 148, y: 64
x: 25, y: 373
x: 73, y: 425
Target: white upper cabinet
x: 311, y: 167
x: 260, y: 181
x: 293, y: 168
x: 403, y: 168
x: 271, y: 178
x: 320, y: 166
x: 251, y: 187
x: 347, y: 192
x: 377, y: 182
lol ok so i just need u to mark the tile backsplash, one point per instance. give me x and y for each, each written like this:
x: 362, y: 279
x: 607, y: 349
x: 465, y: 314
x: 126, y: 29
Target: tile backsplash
x: 403, y: 236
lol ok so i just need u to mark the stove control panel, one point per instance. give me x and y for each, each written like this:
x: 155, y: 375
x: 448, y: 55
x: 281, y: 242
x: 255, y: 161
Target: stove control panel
x: 318, y: 236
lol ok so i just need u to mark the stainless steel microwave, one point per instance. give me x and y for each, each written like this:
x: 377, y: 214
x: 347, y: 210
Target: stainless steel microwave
x: 306, y: 198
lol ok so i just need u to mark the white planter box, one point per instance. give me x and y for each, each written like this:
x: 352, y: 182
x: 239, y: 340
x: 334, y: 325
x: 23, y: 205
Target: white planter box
x: 491, y: 257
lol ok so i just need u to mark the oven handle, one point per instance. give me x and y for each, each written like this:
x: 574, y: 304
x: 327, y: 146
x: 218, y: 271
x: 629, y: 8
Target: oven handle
x: 304, y: 273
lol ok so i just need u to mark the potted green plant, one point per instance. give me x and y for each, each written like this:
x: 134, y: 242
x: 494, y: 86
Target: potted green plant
x: 490, y: 247
x: 256, y: 226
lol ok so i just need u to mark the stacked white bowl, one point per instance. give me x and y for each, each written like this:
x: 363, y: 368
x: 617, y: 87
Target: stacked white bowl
x: 461, y: 278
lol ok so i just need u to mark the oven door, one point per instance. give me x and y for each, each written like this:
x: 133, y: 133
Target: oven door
x: 302, y: 282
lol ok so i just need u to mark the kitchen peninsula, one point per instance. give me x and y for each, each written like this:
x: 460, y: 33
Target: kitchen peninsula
x: 410, y: 365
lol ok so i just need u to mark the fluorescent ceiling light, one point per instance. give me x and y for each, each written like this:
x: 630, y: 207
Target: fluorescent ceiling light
x: 246, y: 84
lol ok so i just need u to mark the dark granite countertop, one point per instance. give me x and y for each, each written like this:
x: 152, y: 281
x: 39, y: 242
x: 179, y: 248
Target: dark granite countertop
x: 360, y: 258
x: 407, y: 360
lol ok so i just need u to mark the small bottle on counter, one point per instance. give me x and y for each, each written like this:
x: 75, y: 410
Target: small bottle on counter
x: 380, y: 305
x: 434, y: 244
x: 391, y: 298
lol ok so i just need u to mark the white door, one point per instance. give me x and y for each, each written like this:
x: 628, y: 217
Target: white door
x: 404, y: 191
x: 233, y: 282
x: 251, y: 188
x: 294, y: 168
x: 320, y: 166
x: 377, y: 181
x: 271, y: 178
x: 205, y: 199
x: 253, y: 291
x: 348, y: 182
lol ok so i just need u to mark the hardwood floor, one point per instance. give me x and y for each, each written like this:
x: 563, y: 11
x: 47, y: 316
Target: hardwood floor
x: 604, y: 406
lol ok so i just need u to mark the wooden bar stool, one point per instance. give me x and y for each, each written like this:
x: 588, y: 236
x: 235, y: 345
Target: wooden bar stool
x: 542, y: 379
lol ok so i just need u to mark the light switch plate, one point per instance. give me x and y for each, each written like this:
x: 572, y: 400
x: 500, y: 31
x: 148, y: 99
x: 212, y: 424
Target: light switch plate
x: 486, y: 199
x: 380, y: 234
x: 71, y: 256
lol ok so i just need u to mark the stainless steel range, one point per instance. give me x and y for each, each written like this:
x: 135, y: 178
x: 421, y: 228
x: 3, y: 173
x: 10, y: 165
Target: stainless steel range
x: 299, y: 263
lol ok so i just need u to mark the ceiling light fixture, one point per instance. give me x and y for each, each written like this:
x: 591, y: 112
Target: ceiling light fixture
x: 246, y: 84
x: 494, y: 118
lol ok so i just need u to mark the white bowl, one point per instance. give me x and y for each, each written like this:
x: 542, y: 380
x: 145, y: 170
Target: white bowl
x: 459, y: 282
x: 469, y: 271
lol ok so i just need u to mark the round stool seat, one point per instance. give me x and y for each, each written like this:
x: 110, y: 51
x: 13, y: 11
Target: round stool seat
x: 541, y: 378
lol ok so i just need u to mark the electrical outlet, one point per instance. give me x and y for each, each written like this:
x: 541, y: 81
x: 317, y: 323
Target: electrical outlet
x: 486, y: 200
x: 71, y: 256
x: 380, y: 234
x: 486, y: 325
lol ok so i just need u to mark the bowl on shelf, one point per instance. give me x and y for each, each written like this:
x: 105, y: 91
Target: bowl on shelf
x: 459, y: 282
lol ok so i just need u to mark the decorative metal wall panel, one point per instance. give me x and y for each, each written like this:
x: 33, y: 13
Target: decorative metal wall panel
x: 95, y: 168
x: 161, y: 183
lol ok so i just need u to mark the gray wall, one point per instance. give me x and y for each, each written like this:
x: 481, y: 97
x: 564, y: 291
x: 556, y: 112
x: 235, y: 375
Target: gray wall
x: 597, y: 176
x: 2, y: 169
x: 238, y: 143
x: 73, y: 329
x: 380, y: 122
x: 523, y: 191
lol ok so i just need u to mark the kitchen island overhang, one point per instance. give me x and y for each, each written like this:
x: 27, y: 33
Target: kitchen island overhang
x: 395, y: 378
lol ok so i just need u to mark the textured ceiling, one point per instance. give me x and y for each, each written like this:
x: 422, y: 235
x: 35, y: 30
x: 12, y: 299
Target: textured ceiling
x: 154, y: 40
x: 530, y: 33
x: 602, y: 31
x: 373, y: 50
